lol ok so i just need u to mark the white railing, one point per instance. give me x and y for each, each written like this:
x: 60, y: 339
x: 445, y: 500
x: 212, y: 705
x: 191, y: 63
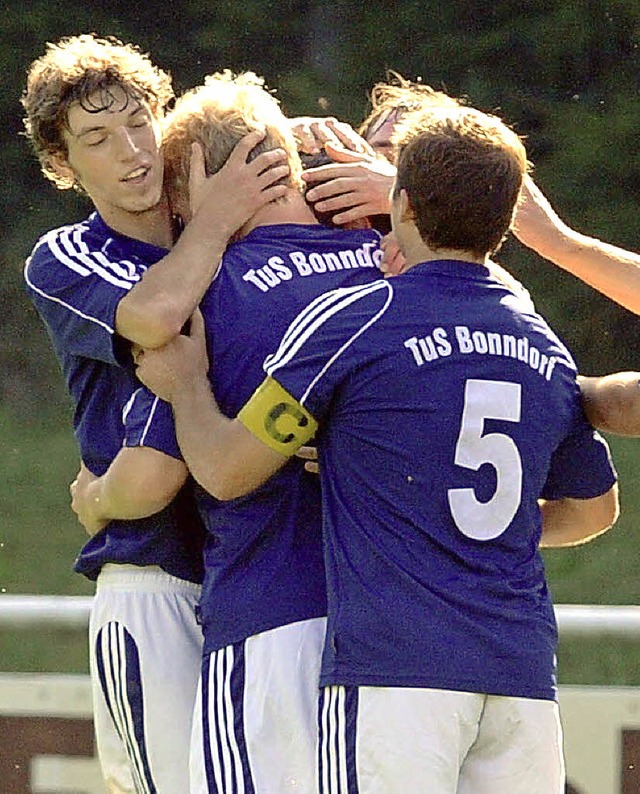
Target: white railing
x: 72, y: 612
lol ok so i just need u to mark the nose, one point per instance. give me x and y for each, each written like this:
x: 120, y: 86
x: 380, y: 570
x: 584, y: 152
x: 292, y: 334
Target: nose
x: 126, y: 144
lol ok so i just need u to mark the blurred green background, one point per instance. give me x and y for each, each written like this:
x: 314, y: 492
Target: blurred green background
x: 565, y: 74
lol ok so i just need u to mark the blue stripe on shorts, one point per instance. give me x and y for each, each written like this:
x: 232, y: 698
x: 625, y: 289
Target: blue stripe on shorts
x: 225, y: 751
x: 119, y: 671
x: 337, y: 727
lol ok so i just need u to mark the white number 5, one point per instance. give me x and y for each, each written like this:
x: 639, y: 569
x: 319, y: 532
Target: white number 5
x: 488, y: 399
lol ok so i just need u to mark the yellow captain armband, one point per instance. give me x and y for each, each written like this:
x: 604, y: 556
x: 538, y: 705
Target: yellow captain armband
x: 277, y: 419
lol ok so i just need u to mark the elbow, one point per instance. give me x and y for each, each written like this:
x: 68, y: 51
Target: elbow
x: 149, y: 326
x: 225, y: 485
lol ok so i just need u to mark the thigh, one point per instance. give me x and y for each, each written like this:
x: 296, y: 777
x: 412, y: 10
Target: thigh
x: 256, y: 726
x: 391, y: 740
x: 146, y: 651
x: 518, y: 749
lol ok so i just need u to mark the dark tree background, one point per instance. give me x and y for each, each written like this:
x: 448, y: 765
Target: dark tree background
x: 565, y: 74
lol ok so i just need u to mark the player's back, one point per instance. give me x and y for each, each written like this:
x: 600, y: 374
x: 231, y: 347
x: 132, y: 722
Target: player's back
x: 442, y: 402
x: 267, y: 545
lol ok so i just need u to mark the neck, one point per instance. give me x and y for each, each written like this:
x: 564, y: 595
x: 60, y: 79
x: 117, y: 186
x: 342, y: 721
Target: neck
x: 152, y: 226
x: 292, y: 208
x: 416, y: 251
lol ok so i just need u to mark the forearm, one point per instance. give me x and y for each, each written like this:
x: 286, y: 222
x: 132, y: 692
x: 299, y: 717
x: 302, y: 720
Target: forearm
x: 612, y: 402
x: 221, y: 454
x: 155, y: 310
x: 610, y: 270
x: 573, y: 522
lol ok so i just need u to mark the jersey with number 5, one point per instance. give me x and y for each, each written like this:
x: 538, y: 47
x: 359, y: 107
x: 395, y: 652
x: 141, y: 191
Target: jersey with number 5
x: 446, y: 408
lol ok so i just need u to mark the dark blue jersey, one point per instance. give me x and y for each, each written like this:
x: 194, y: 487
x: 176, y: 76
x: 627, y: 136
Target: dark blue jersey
x: 263, y: 556
x: 76, y: 276
x: 447, y: 408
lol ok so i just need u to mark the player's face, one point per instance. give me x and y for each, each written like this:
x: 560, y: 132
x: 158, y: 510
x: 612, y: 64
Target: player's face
x: 379, y: 136
x: 115, y: 155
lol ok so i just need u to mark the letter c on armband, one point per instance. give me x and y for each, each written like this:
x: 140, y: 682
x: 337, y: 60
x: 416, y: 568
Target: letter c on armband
x: 277, y: 419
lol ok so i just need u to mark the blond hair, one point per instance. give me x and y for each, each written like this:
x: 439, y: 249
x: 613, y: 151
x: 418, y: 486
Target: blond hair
x: 398, y: 95
x: 76, y: 69
x: 217, y: 115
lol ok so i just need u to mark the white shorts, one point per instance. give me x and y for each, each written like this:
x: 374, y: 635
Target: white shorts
x: 388, y: 740
x: 255, y: 726
x: 145, y: 655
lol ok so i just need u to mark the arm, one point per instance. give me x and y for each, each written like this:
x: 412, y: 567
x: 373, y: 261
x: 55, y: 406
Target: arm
x: 156, y: 309
x: 610, y: 270
x: 221, y: 453
x: 612, y: 402
x: 139, y: 482
x: 572, y: 522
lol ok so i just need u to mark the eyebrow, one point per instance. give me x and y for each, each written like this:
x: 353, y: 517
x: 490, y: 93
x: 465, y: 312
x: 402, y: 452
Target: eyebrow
x: 100, y: 127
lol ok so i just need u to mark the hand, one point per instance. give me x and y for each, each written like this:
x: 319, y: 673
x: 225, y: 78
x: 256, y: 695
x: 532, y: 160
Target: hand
x: 313, y: 133
x: 535, y: 220
x: 393, y: 261
x: 356, y: 186
x: 239, y: 189
x: 83, y: 501
x: 310, y: 455
x: 180, y: 363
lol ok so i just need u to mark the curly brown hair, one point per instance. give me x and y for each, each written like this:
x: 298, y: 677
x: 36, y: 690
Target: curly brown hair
x: 462, y: 171
x: 85, y: 69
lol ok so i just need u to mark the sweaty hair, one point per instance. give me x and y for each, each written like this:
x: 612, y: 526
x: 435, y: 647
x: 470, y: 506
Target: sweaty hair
x: 217, y: 115
x: 85, y: 69
x: 399, y: 95
x: 462, y: 171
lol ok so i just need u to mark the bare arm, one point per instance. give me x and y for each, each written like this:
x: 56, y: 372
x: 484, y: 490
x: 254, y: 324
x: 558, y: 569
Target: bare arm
x: 222, y: 455
x: 158, y: 306
x: 572, y: 522
x: 139, y: 482
x: 612, y: 402
x: 608, y: 269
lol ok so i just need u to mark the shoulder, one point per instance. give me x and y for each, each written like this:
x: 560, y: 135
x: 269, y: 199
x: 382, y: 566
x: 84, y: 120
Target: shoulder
x: 333, y: 321
x: 67, y: 245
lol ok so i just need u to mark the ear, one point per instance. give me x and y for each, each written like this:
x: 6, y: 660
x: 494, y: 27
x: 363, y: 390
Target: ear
x: 405, y: 210
x: 60, y: 165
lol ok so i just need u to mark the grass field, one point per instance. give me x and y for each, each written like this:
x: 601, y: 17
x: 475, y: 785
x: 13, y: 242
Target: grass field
x: 39, y: 538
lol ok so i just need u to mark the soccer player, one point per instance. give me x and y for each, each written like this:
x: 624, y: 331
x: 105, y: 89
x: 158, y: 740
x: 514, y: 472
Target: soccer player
x: 93, y: 113
x: 263, y: 606
x: 450, y: 432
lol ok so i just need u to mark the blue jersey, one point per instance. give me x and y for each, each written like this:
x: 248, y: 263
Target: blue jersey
x: 263, y: 555
x: 76, y: 276
x: 446, y: 407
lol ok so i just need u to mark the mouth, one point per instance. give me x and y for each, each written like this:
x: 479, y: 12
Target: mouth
x: 137, y: 175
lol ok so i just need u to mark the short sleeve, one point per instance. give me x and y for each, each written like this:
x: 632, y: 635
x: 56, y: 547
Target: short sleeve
x: 581, y: 468
x: 148, y: 422
x: 76, y: 288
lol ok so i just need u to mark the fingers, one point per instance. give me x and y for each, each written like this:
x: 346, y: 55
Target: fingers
x: 341, y: 201
x: 305, y: 139
x: 312, y: 467
x: 348, y: 137
x: 346, y: 155
x: 356, y: 213
x: 268, y: 160
x: 324, y: 173
x: 197, y: 324
x: 246, y: 145
x: 307, y: 453
x: 196, y: 162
